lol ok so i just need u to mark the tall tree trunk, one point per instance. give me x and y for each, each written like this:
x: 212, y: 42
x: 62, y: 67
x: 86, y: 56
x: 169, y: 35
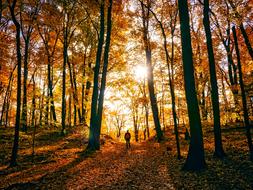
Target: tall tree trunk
x: 72, y: 90
x: 50, y: 90
x: 7, y: 120
x: 5, y: 103
x: 76, y: 96
x: 24, y: 106
x: 146, y: 118
x: 1, y: 9
x: 244, y: 101
x: 93, y: 134
x: 14, y: 154
x: 152, y: 96
x: 219, y: 152
x: 150, y: 77
x: 33, y: 103
x: 195, y: 158
x: 65, y: 58
x: 69, y: 111
x: 246, y: 40
x: 41, y: 105
x: 33, y: 118
x: 105, y: 67
x: 244, y: 33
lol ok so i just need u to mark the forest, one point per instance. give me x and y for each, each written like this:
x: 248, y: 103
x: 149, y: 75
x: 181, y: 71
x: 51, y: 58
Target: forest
x: 77, y: 75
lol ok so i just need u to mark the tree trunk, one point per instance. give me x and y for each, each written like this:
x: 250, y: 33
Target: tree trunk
x: 94, y: 143
x: 69, y: 111
x: 146, y: 118
x: 24, y: 106
x: 105, y: 66
x: 7, y: 120
x: 244, y: 101
x: 246, y: 40
x: 14, y: 154
x: 195, y: 158
x: 65, y: 58
x: 154, y: 106
x: 8, y: 90
x: 50, y: 90
x: 76, y: 96
x: 33, y: 118
x: 41, y: 106
x: 219, y: 152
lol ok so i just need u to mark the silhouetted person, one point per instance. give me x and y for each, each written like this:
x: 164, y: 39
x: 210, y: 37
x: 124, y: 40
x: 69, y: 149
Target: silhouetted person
x: 127, y: 138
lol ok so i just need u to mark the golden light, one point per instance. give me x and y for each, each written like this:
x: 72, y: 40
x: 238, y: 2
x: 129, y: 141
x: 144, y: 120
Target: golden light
x: 140, y: 72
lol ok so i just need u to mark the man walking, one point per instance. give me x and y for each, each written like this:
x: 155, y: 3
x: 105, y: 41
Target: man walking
x: 127, y: 138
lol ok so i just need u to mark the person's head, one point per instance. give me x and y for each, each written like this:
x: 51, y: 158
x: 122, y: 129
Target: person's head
x: 127, y: 131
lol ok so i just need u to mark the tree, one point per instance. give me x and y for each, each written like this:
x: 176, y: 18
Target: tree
x: 214, y: 92
x: 150, y: 77
x: 170, y: 65
x: 49, y: 33
x: 27, y: 30
x: 244, y: 101
x: 98, y: 96
x: 14, y: 154
x: 195, y: 158
x: 244, y: 33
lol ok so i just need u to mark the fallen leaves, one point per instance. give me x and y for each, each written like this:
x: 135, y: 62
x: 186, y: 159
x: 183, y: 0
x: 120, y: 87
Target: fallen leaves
x: 146, y: 165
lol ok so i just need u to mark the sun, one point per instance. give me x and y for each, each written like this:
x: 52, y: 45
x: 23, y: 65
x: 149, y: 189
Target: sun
x: 140, y: 72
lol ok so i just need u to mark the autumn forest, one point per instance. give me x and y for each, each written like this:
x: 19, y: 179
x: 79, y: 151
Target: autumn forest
x: 126, y: 94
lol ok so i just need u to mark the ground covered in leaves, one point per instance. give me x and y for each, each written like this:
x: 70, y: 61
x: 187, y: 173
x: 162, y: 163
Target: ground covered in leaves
x: 59, y: 163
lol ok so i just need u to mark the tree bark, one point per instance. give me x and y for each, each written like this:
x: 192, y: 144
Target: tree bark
x: 246, y: 40
x: 105, y: 67
x: 150, y: 77
x: 14, y: 154
x: 94, y: 143
x: 24, y: 106
x: 244, y: 101
x: 219, y: 152
x: 65, y: 58
x: 195, y: 158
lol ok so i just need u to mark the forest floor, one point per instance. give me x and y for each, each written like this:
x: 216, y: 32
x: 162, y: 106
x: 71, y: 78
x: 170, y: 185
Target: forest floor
x: 59, y: 163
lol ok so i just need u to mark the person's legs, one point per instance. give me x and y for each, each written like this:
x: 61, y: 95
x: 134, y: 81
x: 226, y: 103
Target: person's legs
x: 127, y: 144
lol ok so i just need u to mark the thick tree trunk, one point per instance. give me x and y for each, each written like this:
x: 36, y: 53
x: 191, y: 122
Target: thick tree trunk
x: 14, y: 154
x: 244, y: 101
x: 105, y: 67
x: 219, y: 152
x: 195, y: 159
x: 94, y: 143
